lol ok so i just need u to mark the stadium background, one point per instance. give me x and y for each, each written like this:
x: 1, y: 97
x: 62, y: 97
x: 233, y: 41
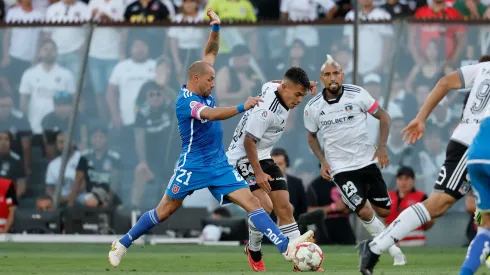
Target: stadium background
x: 398, y: 59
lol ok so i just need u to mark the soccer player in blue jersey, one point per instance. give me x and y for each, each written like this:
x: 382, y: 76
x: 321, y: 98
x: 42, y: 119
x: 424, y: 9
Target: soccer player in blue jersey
x: 203, y: 163
x: 479, y: 171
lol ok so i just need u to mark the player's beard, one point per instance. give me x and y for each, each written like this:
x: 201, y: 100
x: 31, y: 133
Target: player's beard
x: 332, y: 90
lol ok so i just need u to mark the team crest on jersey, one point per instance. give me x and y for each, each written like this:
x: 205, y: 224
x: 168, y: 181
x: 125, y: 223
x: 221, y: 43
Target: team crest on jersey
x: 264, y: 115
x: 175, y: 189
x: 348, y: 108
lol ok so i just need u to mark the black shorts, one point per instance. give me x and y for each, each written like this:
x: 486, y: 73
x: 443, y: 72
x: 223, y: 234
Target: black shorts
x: 453, y: 178
x: 269, y: 167
x: 360, y: 185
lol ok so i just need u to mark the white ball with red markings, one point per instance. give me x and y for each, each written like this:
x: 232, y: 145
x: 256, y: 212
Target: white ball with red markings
x: 307, y: 257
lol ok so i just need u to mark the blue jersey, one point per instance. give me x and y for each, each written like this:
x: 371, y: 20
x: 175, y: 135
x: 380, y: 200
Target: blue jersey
x: 480, y: 148
x: 202, y: 140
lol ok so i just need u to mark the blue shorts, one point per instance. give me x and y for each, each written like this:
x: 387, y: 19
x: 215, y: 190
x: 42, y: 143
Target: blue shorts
x: 479, y: 172
x: 220, y: 182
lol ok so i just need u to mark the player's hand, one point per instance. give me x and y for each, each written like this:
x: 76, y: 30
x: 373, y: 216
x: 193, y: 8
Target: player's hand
x: 213, y: 17
x: 382, y: 156
x: 325, y: 171
x: 313, y: 87
x: 414, y: 131
x: 251, y: 102
x: 262, y: 179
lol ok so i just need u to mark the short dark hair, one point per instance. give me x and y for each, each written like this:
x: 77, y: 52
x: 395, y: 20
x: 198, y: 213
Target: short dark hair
x: 298, y: 76
x: 48, y: 41
x: 484, y: 58
x: 405, y: 171
x: 45, y: 197
x: 281, y: 152
x: 223, y: 212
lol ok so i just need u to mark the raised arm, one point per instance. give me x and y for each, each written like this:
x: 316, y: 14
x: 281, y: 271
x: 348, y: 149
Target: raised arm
x: 212, y: 46
x: 222, y: 113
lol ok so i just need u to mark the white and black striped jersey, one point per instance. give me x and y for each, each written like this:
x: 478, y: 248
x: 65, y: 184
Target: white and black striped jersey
x: 342, y: 123
x: 476, y: 77
x: 264, y: 123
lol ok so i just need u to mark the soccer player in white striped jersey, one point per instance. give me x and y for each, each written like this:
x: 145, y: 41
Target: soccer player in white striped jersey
x: 452, y: 183
x: 339, y: 114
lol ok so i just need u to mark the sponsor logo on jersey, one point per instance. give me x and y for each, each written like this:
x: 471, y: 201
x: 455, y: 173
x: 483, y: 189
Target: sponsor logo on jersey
x: 381, y: 199
x: 193, y: 103
x: 322, y: 113
x: 356, y: 200
x: 280, y: 178
x: 337, y: 120
x: 348, y: 107
x: 208, y: 101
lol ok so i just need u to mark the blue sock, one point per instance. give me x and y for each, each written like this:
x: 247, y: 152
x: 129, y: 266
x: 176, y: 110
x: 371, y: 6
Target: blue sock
x: 146, y: 222
x: 263, y: 223
x: 477, y: 252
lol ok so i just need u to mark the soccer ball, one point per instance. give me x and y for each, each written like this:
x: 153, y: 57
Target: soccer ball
x: 307, y: 257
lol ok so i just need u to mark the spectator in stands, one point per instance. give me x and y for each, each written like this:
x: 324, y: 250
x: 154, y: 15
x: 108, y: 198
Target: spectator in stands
x: 397, y: 9
x: 305, y: 10
x: 405, y: 196
x: 98, y: 172
x: 472, y: 9
x: 44, y: 203
x: 164, y: 77
x: 157, y: 143
x: 148, y: 11
x: 125, y: 83
x: 233, y: 10
x: 8, y: 205
x: 399, y: 152
x: 39, y: 84
x: 18, y: 128
x: 69, y: 40
x: 186, y: 42
x: 54, y: 168
x: 58, y: 120
x: 108, y: 46
x: 432, y: 156
x: 377, y: 36
x: 343, y: 55
x: 432, y: 67
x: 324, y: 196
x: 297, y: 195
x: 267, y: 10
x: 11, y: 166
x: 20, y: 50
x: 406, y: 101
x: 452, y: 36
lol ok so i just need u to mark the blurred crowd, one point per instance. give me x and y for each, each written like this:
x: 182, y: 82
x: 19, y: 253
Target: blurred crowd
x: 125, y: 141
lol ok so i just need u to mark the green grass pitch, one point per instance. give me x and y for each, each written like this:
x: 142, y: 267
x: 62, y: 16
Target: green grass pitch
x: 77, y: 259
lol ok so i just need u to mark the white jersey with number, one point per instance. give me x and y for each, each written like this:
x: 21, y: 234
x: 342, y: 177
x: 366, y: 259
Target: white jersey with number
x: 342, y: 122
x: 476, y: 77
x: 264, y: 123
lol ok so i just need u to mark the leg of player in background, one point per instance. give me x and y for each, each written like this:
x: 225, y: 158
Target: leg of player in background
x: 480, y: 246
x: 259, y: 219
x: 375, y: 226
x: 147, y: 221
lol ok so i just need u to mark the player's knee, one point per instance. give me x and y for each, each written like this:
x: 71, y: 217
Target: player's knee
x: 365, y: 212
x: 167, y: 207
x: 251, y: 204
x: 438, y: 203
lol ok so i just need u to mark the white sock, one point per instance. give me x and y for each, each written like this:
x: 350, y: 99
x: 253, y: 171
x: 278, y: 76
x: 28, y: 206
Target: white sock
x: 375, y: 227
x: 408, y: 220
x: 254, y: 237
x: 291, y: 231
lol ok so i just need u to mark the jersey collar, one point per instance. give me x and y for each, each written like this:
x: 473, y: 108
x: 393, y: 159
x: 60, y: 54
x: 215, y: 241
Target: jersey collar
x: 279, y: 98
x: 332, y: 101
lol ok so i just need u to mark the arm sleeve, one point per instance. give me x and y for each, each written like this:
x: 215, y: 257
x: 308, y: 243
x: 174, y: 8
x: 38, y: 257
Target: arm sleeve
x: 82, y: 164
x: 368, y: 103
x: 258, y: 123
x: 191, y: 107
x: 309, y: 120
x: 51, y: 177
x: 467, y: 75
